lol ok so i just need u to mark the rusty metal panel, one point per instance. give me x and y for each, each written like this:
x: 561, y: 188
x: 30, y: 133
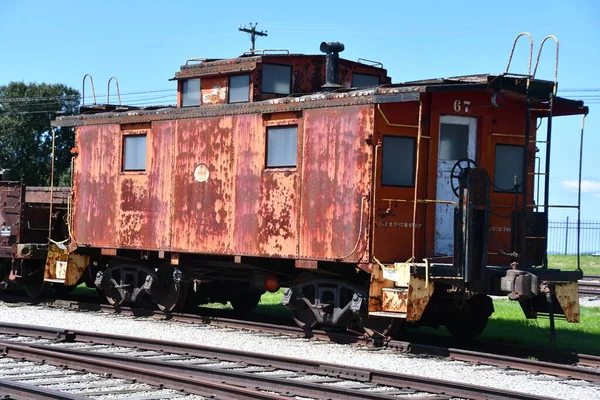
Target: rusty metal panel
x: 95, y: 186
x: 60, y: 264
x: 214, y: 90
x: 395, y: 300
x: 10, y: 211
x: 203, y: 210
x: 377, y: 285
x: 567, y: 294
x: 277, y: 214
x: 336, y: 181
x: 145, y: 198
x: 215, y: 67
x: 249, y: 166
x: 419, y: 293
x: 43, y: 194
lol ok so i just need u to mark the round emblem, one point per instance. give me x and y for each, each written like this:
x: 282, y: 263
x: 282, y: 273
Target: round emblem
x: 201, y: 173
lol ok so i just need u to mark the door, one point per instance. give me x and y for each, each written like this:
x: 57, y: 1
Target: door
x: 457, y: 141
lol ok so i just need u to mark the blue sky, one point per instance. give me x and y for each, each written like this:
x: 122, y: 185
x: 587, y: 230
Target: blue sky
x: 143, y: 43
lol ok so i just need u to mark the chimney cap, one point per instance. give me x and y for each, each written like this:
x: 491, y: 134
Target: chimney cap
x: 332, y: 47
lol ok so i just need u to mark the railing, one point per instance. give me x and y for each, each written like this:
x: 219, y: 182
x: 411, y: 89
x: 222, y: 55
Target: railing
x: 562, y: 237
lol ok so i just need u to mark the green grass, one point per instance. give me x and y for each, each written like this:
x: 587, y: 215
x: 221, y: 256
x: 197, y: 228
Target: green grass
x: 508, y: 324
x: 589, y: 264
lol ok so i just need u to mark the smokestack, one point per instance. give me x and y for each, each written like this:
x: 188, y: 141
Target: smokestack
x: 332, y: 75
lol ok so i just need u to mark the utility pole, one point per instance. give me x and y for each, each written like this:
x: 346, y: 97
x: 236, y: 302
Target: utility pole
x: 253, y: 32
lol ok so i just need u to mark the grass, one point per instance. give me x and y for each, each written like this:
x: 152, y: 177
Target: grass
x: 589, y: 264
x: 508, y: 324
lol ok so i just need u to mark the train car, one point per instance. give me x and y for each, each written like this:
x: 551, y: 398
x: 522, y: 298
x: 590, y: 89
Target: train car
x: 29, y: 216
x: 372, y: 203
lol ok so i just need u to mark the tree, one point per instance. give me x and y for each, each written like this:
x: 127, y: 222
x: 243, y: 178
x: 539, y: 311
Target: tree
x: 26, y: 135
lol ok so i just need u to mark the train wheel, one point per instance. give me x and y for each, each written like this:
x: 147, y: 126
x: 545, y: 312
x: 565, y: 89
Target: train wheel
x: 381, y: 327
x: 304, y: 317
x: 114, y: 297
x: 474, y: 319
x: 174, y: 295
x: 245, y: 302
x: 33, y: 278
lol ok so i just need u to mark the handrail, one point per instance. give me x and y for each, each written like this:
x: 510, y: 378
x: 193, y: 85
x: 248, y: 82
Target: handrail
x: 555, y: 62
x: 108, y: 90
x: 373, y: 63
x: 83, y: 89
x: 513, y: 50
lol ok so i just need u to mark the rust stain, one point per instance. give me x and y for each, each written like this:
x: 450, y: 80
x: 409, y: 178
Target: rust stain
x: 277, y: 214
x: 567, y: 294
x: 395, y: 299
x: 377, y: 284
x: 418, y: 297
x: 203, y: 211
x: 249, y: 165
x: 60, y: 264
x: 336, y: 176
x: 96, y: 174
x: 214, y: 89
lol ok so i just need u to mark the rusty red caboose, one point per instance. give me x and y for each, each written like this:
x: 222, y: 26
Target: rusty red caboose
x: 371, y: 202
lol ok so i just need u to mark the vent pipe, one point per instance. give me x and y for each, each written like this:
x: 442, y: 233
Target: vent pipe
x: 332, y: 73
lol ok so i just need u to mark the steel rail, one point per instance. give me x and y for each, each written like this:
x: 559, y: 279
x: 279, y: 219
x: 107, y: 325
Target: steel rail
x: 173, y: 379
x: 550, y: 361
x: 111, y: 363
x: 24, y: 391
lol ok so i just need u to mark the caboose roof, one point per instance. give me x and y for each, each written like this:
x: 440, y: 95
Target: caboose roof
x: 514, y: 86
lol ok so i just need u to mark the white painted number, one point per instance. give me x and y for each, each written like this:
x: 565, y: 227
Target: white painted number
x: 458, y: 105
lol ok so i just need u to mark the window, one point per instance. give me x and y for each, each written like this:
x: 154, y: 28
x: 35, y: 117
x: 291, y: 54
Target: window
x: 364, y: 80
x: 134, y: 153
x: 282, y: 143
x: 277, y: 79
x: 398, y: 161
x: 454, y: 140
x: 190, y: 92
x: 508, y: 165
x: 239, y: 88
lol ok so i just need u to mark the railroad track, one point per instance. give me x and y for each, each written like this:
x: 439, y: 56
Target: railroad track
x: 183, y: 370
x: 590, y: 285
x: 540, y: 360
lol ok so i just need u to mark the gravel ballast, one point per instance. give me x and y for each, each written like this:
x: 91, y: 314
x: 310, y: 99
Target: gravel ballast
x: 301, y: 348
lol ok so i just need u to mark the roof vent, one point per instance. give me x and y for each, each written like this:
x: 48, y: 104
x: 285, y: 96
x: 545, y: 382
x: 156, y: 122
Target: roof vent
x: 332, y: 75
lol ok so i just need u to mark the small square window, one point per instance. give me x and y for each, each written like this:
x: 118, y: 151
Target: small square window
x: 276, y: 79
x: 454, y: 141
x: 508, y: 168
x: 239, y: 88
x: 364, y: 80
x: 398, y: 161
x: 134, y: 153
x: 190, y: 92
x: 282, y: 144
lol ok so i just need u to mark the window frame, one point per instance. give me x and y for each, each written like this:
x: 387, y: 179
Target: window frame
x: 360, y: 73
x: 229, y: 89
x: 275, y: 127
x: 498, y: 189
x: 127, y: 135
x: 183, y: 82
x: 414, y: 163
x: 291, y: 75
